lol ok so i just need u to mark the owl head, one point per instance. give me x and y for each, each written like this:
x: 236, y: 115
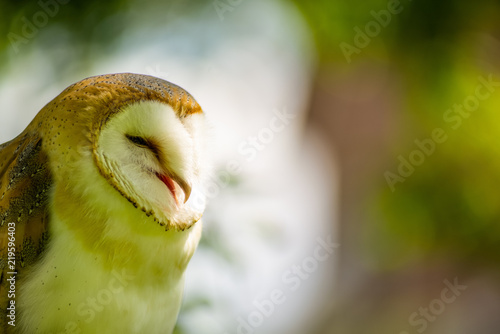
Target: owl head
x: 119, y: 138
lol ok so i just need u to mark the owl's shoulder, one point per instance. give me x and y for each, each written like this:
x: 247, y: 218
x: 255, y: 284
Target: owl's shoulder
x: 25, y: 182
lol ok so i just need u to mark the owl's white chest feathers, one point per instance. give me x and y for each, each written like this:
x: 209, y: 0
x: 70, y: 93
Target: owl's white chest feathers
x: 130, y: 281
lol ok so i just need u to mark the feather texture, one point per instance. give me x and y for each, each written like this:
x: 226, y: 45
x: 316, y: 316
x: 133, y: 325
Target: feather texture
x: 86, y: 205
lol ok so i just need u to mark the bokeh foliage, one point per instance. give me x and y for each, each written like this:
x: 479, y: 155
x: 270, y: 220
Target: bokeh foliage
x: 81, y: 19
x: 449, y: 206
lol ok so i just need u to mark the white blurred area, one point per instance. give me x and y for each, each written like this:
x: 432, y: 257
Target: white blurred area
x: 243, y: 69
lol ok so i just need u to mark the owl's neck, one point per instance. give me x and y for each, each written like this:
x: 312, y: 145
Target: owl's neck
x: 105, y: 224
x: 123, y: 237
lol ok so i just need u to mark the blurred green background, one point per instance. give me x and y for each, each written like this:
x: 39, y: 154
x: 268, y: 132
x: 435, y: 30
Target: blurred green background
x: 387, y: 75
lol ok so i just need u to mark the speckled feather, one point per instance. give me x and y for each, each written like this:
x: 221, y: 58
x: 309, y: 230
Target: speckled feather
x: 29, y: 163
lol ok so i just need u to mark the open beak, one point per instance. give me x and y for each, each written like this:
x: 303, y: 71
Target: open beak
x: 186, y: 187
x: 169, y: 180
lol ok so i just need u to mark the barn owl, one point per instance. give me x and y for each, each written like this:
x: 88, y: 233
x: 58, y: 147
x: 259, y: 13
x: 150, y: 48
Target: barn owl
x: 96, y: 221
